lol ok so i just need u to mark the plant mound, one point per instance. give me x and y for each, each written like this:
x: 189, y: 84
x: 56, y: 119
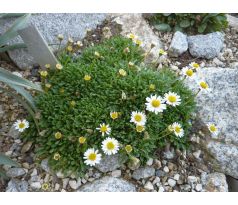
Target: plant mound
x: 86, y: 92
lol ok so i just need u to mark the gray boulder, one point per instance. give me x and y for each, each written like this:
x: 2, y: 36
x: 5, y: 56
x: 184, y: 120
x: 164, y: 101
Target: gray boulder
x: 206, y: 46
x: 219, y: 106
x: 179, y: 44
x: 108, y: 184
x: 109, y: 163
x: 17, y: 186
x: 143, y: 172
x: 50, y: 25
x: 15, y: 172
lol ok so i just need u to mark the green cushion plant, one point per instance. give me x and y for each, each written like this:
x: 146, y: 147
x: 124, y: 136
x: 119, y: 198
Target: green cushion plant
x: 105, y: 85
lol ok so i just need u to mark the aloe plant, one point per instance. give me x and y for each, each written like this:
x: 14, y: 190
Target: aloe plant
x: 11, y: 33
x: 21, y: 94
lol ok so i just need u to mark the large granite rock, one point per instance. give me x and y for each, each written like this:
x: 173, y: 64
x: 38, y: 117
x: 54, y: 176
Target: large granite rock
x: 143, y: 172
x: 136, y: 24
x: 108, y: 184
x: 50, y: 25
x: 179, y: 44
x: 206, y: 46
x: 219, y: 106
x: 109, y: 163
x: 17, y: 186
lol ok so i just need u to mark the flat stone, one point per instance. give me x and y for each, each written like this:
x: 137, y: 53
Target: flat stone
x: 215, y: 182
x: 15, y: 172
x: 220, y: 107
x: 143, y: 172
x: 26, y: 147
x: 45, y: 165
x: 116, y: 173
x: 171, y: 182
x: 13, y: 132
x: 35, y: 185
x: 17, y: 186
x: 192, y: 179
x: 108, y: 184
x: 136, y: 24
x: 109, y: 163
x: 149, y: 162
x: 74, y: 184
x: 179, y: 44
x: 206, y: 46
x: 233, y: 21
x: 149, y: 186
x: 198, y: 187
x: 68, y: 24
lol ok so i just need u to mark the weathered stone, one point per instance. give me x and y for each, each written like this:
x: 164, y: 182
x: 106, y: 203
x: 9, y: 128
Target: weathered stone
x: 15, y: 172
x: 116, y: 173
x: 109, y: 163
x: 206, y: 46
x: 171, y: 182
x: 45, y: 165
x: 219, y: 106
x: 13, y: 132
x: 233, y: 21
x: 17, y: 186
x: 143, y: 172
x: 215, y: 182
x: 26, y: 147
x: 136, y: 24
x: 35, y: 185
x: 69, y: 25
x: 134, y: 163
x: 149, y: 186
x: 179, y: 44
x: 149, y: 162
x: 74, y: 184
x: 108, y: 184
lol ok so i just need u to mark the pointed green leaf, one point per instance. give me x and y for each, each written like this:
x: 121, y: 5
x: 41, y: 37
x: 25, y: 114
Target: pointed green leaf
x: 12, y: 47
x: 4, y: 160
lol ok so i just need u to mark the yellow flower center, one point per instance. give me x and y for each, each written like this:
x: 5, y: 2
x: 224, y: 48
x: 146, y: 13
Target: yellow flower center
x: 189, y: 72
x: 43, y: 73
x: 128, y: 148
x: 204, y: 85
x: 114, y: 115
x: 103, y: 128
x: 122, y: 72
x: 140, y: 128
x: 45, y: 186
x: 177, y: 129
x: 138, y: 42
x: 59, y: 66
x: 138, y: 118
x: 213, y: 128
x: 156, y: 103
x: 196, y: 65
x: 21, y: 125
x: 58, y: 135
x: 110, y: 146
x: 172, y: 98
x: 69, y: 48
x: 82, y: 140
x: 131, y: 36
x: 152, y: 87
x: 87, y: 77
x: 92, y: 157
x: 56, y: 156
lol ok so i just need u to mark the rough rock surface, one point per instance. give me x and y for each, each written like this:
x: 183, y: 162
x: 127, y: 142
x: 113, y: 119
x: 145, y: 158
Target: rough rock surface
x: 220, y: 106
x: 215, y: 182
x: 143, y: 172
x: 179, y: 44
x: 15, y: 172
x: 136, y: 24
x: 17, y: 186
x: 108, y: 184
x: 233, y: 21
x: 109, y: 163
x: 70, y: 25
x: 206, y: 46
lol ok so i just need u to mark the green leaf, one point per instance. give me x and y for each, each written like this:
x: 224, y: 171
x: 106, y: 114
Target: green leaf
x: 184, y: 23
x: 12, y: 47
x: 163, y: 27
x: 202, y: 28
x: 9, y: 15
x: 20, y: 23
x: 4, y: 160
x: 7, y: 77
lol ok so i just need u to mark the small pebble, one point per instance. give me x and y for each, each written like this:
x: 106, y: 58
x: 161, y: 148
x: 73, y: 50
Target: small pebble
x: 171, y: 182
x: 166, y: 169
x: 161, y: 189
x: 35, y: 185
x: 149, y: 186
x: 176, y: 177
x: 149, y: 162
x: 116, y: 173
x: 198, y: 187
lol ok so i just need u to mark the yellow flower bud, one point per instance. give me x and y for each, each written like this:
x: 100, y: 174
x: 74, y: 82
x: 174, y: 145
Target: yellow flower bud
x: 128, y: 148
x: 87, y: 77
x: 56, y: 156
x: 58, y: 135
x: 82, y: 140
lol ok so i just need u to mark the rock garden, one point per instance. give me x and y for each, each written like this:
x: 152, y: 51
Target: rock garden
x: 118, y: 103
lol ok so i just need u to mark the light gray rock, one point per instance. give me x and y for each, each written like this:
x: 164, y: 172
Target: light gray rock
x: 215, y: 182
x: 13, y: 132
x: 143, y: 172
x: 219, y: 106
x: 50, y: 25
x: 149, y: 186
x: 179, y: 44
x: 233, y: 21
x: 35, y: 185
x: 206, y: 46
x: 17, y: 186
x: 108, y: 184
x: 116, y: 173
x: 15, y: 172
x: 171, y: 182
x: 136, y: 24
x: 198, y: 187
x: 74, y: 184
x: 149, y: 162
x: 109, y: 163
x: 45, y: 165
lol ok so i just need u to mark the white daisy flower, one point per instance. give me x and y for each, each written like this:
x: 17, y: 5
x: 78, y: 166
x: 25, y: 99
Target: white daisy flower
x: 138, y: 118
x: 194, y: 65
x: 204, y: 86
x: 212, y: 128
x: 21, y: 125
x: 104, y: 129
x: 110, y: 146
x: 178, y: 130
x: 172, y: 98
x: 92, y: 157
x: 188, y: 72
x: 155, y: 104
